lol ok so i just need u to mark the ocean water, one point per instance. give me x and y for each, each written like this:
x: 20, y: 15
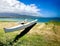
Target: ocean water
x: 40, y: 19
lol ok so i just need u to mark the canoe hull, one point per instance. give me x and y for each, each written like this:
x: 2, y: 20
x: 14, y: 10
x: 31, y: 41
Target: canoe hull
x: 20, y: 27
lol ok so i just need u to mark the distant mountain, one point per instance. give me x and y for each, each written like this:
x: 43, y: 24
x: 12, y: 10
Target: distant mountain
x: 9, y: 15
x: 14, y: 15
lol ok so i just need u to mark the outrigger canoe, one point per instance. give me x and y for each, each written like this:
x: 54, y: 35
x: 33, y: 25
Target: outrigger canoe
x: 20, y: 27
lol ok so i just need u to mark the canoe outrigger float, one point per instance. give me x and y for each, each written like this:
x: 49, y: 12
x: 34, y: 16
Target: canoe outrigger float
x: 20, y: 27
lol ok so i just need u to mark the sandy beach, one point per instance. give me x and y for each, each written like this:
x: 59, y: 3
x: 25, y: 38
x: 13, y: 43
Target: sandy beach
x: 7, y: 24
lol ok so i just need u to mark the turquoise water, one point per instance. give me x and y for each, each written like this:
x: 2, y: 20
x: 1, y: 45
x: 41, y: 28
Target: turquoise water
x: 30, y: 19
x: 14, y: 19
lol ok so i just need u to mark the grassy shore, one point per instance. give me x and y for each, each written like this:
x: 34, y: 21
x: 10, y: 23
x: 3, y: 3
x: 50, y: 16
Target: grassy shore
x: 43, y: 34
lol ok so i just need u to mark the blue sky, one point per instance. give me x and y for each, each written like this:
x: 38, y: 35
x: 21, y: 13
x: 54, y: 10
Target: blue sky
x: 49, y: 8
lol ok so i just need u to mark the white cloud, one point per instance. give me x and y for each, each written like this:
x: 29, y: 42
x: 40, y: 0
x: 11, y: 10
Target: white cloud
x: 15, y: 6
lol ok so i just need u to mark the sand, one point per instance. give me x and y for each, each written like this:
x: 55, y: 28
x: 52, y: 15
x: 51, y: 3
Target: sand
x: 7, y: 24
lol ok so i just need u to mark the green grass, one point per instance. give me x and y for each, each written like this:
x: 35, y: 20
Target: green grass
x: 54, y: 22
x: 27, y: 40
